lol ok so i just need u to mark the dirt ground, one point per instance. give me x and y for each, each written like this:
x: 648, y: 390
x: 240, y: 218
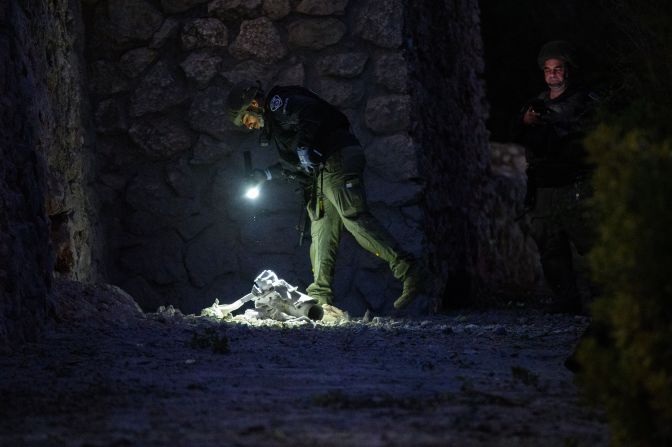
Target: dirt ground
x: 466, y: 379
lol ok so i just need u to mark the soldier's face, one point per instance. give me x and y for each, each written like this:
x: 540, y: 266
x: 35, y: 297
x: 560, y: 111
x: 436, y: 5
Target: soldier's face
x: 251, y: 120
x: 554, y: 73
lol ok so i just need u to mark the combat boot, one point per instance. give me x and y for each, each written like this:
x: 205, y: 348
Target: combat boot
x: 410, y: 288
x: 322, y: 299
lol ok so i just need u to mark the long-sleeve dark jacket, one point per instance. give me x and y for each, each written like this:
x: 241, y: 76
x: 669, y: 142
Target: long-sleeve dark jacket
x: 295, y: 117
x: 554, y: 147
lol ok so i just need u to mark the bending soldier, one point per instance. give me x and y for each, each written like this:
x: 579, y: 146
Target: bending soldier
x: 314, y: 137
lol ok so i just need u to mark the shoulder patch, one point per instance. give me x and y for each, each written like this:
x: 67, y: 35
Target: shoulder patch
x: 276, y: 103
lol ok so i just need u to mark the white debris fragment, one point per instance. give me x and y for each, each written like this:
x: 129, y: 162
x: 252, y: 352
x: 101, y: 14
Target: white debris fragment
x: 275, y: 299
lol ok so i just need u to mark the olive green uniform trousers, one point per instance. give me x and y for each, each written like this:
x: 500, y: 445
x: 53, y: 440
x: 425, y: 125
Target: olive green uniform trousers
x: 339, y: 201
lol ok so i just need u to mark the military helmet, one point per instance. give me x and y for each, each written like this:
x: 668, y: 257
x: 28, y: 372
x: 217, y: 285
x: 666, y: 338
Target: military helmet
x: 557, y: 49
x: 240, y: 97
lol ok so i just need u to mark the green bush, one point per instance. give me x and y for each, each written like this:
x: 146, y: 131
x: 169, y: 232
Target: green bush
x: 627, y: 360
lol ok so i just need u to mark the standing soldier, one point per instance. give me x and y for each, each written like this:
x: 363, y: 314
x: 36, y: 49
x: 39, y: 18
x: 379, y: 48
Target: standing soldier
x: 314, y: 138
x: 551, y: 126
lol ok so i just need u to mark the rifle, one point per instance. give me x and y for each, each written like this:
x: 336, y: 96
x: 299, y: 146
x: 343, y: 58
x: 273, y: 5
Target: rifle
x: 305, y: 183
x: 303, y: 223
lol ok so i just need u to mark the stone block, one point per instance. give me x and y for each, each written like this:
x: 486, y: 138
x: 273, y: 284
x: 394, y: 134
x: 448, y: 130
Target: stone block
x: 387, y: 114
x: 391, y: 71
x: 168, y: 29
x: 208, y: 150
x: 157, y: 91
x: 294, y: 75
x: 209, y: 113
x: 234, y: 10
x: 394, y: 158
x: 161, y: 137
x: 380, y: 22
x: 201, y: 66
x: 343, y: 65
x: 107, y: 79
x: 182, y: 179
x: 342, y: 94
x: 204, y: 33
x: 276, y: 9
x: 133, y: 20
x: 250, y: 70
x: 316, y: 33
x: 322, y: 7
x: 134, y: 62
x: 259, y: 39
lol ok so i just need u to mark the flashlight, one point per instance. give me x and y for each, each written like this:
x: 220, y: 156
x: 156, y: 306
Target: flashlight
x: 253, y: 189
x: 253, y: 192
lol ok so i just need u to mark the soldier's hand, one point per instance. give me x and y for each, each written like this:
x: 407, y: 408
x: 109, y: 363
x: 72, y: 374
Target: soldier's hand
x: 309, y: 158
x: 530, y: 117
x: 258, y: 176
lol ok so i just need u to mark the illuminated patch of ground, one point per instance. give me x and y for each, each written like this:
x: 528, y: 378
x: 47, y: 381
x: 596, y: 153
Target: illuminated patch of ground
x: 470, y: 379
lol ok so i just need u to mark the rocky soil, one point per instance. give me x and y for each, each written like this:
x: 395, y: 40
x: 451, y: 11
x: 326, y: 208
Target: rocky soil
x: 107, y: 374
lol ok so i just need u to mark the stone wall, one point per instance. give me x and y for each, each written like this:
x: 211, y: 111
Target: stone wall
x: 169, y: 163
x: 71, y: 203
x: 42, y: 162
x: 519, y: 277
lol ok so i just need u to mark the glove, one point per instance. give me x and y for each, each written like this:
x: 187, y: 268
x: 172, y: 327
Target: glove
x: 309, y: 158
x: 260, y: 175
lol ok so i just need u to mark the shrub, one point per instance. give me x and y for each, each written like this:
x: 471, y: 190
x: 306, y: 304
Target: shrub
x: 627, y: 361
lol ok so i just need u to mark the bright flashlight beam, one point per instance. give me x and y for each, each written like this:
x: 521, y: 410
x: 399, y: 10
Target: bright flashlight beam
x: 252, y: 193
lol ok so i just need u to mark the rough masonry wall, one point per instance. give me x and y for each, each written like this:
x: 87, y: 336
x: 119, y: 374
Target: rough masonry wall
x: 463, y: 203
x: 41, y: 163
x: 71, y: 202
x: 169, y: 163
